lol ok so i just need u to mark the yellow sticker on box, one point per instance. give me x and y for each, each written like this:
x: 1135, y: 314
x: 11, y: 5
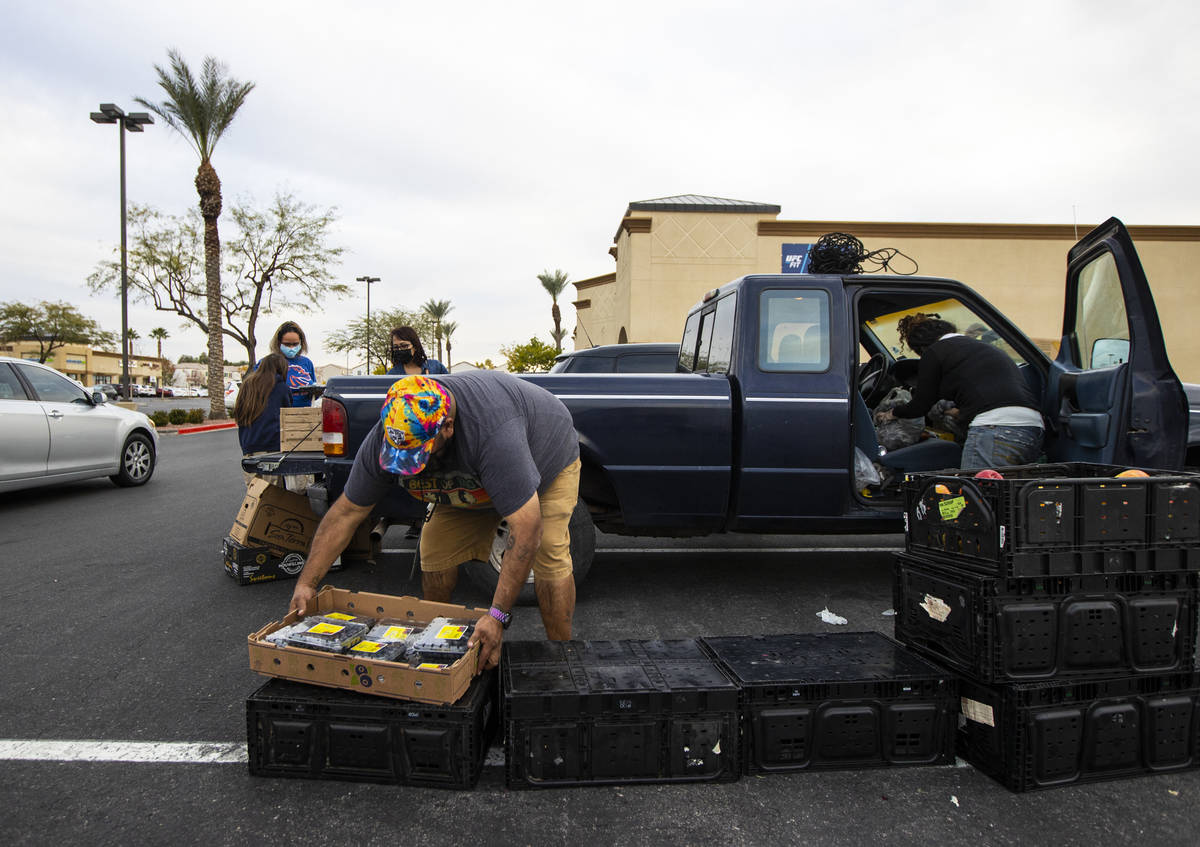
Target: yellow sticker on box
x: 325, y: 628
x: 451, y: 632
x: 341, y: 616
x: 430, y: 666
x: 952, y: 508
x: 366, y: 647
x: 397, y: 633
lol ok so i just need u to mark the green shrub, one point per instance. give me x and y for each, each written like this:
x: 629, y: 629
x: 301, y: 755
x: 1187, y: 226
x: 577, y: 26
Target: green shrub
x: 195, y: 416
x: 177, y: 416
x: 159, y: 418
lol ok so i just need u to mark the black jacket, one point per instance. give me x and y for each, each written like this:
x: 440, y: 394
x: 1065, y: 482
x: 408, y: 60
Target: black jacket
x: 973, y: 374
x: 263, y: 433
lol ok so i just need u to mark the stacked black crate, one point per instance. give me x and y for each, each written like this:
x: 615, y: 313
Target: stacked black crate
x: 844, y: 700
x: 616, y: 712
x: 1066, y: 597
x: 312, y: 732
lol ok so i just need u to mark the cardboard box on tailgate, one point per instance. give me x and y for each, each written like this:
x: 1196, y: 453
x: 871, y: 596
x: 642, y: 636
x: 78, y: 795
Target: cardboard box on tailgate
x: 433, y: 684
x: 300, y: 429
x: 270, y: 535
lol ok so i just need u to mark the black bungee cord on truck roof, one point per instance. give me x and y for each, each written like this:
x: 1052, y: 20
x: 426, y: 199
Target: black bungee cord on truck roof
x: 842, y: 253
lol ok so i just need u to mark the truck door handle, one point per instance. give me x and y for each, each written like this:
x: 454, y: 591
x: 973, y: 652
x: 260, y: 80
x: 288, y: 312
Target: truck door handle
x: 55, y: 413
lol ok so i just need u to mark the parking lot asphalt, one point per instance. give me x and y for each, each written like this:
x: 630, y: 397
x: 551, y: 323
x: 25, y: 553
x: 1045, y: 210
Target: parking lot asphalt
x: 119, y: 625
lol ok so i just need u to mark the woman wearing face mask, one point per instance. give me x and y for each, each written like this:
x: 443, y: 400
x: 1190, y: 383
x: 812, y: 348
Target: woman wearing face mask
x: 408, y: 356
x: 290, y: 342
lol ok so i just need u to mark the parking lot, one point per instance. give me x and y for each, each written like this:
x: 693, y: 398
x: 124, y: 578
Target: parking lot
x: 123, y: 636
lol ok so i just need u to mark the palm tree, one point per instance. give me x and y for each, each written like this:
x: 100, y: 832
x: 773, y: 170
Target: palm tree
x: 201, y: 110
x: 131, y: 335
x: 448, y: 330
x: 158, y: 334
x: 437, y: 310
x: 554, y: 283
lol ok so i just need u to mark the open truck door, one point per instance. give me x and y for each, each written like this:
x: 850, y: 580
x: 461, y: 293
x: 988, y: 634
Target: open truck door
x: 1112, y: 396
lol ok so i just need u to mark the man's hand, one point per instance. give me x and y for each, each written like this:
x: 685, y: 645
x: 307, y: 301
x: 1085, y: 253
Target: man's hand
x: 302, y: 596
x: 885, y: 415
x: 489, y: 633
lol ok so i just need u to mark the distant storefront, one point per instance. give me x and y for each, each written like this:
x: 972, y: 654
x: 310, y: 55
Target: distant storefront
x: 671, y: 250
x: 89, y: 366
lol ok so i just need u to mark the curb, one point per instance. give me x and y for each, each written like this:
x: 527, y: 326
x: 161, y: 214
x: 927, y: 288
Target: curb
x: 188, y: 430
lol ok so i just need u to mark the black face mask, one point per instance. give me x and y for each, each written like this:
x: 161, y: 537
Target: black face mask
x: 401, y: 356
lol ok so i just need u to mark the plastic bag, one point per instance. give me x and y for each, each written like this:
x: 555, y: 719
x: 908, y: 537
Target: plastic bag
x: 865, y: 473
x: 898, y: 432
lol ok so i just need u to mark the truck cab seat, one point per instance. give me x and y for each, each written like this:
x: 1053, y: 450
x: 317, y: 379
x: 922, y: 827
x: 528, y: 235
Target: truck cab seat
x: 932, y: 454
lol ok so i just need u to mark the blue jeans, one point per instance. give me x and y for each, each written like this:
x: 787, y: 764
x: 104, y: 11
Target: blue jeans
x: 997, y: 446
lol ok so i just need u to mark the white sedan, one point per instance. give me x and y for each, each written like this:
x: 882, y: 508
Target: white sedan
x: 52, y: 430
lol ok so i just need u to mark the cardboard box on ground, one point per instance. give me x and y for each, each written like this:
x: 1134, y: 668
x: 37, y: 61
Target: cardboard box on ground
x: 368, y: 676
x: 271, y: 535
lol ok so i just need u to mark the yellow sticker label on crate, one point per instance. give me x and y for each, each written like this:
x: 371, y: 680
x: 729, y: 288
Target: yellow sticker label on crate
x: 325, y: 628
x: 397, y: 633
x: 341, y: 616
x: 366, y: 647
x: 451, y: 633
x: 430, y: 666
x: 952, y: 508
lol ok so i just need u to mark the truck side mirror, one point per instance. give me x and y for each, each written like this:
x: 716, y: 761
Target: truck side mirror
x: 1109, y: 351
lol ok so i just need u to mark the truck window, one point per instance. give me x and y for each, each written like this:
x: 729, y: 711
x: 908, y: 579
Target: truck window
x: 794, y: 330
x: 687, y: 347
x: 720, y: 350
x: 884, y: 311
x: 1101, y: 325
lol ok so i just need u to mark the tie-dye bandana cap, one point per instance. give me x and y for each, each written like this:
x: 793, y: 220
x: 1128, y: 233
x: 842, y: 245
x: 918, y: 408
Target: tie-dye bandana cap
x: 413, y: 414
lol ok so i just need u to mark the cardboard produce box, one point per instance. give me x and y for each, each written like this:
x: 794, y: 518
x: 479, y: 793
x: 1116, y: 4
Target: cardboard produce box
x: 300, y: 429
x: 368, y: 676
x: 275, y: 518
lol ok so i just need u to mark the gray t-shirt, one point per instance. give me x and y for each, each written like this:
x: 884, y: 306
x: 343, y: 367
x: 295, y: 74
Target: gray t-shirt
x: 511, y: 438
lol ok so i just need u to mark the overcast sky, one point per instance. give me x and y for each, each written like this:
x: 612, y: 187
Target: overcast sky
x: 468, y: 146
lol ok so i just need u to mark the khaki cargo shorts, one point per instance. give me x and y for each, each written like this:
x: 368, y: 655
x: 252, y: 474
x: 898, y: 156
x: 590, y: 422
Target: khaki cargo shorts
x: 455, y: 535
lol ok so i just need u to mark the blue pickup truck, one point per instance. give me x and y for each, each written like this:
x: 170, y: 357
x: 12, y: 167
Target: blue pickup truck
x: 758, y: 430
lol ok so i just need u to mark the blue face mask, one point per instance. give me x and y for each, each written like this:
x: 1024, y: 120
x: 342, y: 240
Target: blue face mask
x: 290, y: 352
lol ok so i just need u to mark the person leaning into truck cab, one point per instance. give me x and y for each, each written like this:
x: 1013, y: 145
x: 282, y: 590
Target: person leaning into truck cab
x: 289, y: 341
x: 1004, y: 426
x: 408, y: 356
x: 482, y: 446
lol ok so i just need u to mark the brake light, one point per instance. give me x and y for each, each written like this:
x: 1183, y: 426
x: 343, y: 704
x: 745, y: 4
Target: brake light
x: 333, y: 422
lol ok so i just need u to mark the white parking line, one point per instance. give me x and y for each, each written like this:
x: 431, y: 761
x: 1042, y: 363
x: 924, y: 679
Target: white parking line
x: 123, y: 751
x: 172, y: 752
x: 694, y: 550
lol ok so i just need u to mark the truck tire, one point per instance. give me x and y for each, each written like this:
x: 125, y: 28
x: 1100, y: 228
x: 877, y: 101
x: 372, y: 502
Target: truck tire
x: 485, y: 575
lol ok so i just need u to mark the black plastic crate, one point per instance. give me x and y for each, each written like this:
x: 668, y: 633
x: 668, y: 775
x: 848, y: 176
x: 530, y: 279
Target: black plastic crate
x: 838, y: 700
x: 311, y: 732
x: 1055, y: 520
x: 616, y: 712
x: 1043, y: 735
x: 1031, y: 628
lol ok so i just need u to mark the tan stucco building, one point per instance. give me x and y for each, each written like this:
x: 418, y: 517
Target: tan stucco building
x: 89, y: 366
x: 669, y: 251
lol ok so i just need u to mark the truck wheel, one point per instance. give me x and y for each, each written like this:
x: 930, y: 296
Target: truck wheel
x: 485, y: 575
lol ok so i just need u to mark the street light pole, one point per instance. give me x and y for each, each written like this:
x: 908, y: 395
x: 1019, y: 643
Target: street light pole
x: 133, y: 122
x: 368, y: 280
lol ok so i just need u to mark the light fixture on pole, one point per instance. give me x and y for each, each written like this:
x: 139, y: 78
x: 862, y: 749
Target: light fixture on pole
x: 368, y: 280
x: 133, y: 122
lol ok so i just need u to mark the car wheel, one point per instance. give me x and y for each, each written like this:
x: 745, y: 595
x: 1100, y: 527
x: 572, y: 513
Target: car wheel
x: 137, y: 461
x: 486, y: 575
